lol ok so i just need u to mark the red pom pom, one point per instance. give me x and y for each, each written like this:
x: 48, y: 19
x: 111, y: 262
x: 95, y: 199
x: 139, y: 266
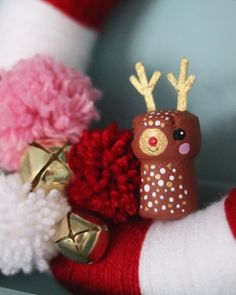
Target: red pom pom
x: 106, y: 174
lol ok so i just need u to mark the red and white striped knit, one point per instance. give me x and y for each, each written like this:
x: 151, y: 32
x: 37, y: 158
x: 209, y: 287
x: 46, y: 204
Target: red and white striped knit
x: 65, y: 29
x: 195, y: 255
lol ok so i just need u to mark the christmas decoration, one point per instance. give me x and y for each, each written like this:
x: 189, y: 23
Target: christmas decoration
x: 28, y: 225
x: 65, y: 29
x: 41, y: 98
x: 82, y: 237
x: 45, y: 165
x: 166, y: 143
x: 195, y: 255
x: 43, y: 102
x: 106, y: 174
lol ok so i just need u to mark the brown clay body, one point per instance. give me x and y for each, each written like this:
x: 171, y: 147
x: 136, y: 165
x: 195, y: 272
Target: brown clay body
x: 166, y: 143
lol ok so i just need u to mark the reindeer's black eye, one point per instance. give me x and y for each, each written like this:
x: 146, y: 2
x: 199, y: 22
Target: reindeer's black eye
x: 179, y: 134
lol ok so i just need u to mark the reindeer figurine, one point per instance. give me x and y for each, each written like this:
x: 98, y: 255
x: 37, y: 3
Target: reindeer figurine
x: 166, y: 143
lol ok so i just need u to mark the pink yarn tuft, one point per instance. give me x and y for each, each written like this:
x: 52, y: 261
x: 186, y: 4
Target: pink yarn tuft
x: 41, y: 98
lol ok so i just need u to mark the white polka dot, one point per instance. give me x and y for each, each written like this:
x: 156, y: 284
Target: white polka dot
x: 152, y: 113
x: 154, y: 194
x: 172, y: 189
x: 172, y: 211
x: 147, y: 188
x: 158, y: 113
x: 141, y: 206
x: 180, y: 196
x: 163, y: 207
x: 162, y: 117
x: 145, y: 123
x: 171, y: 199
x: 150, y: 204
x: 145, y: 172
x: 162, y: 197
x: 152, y: 173
x: 153, y: 183
x: 163, y: 170
x: 141, y: 190
x: 153, y: 166
x: 157, y: 123
x: 171, y: 177
x: 173, y: 170
x: 178, y: 206
x: 155, y: 209
x: 165, y: 190
x: 166, y: 113
x: 180, y: 186
x: 145, y: 197
x: 185, y: 192
x: 150, y: 117
x: 183, y: 210
x: 160, y: 182
x: 167, y: 118
x: 142, y: 180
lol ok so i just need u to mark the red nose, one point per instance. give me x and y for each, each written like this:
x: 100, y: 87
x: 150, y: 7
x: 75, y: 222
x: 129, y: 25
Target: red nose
x: 152, y: 141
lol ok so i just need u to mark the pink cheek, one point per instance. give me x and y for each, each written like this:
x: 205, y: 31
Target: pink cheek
x: 184, y: 148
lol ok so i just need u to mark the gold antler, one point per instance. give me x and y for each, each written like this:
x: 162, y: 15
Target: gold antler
x: 144, y: 87
x: 183, y: 85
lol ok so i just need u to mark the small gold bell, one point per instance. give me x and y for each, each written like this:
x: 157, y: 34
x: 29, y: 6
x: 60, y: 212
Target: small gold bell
x: 82, y: 238
x: 44, y: 165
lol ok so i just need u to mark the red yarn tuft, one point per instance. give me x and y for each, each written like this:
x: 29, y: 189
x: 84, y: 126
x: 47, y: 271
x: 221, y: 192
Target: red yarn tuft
x: 106, y: 173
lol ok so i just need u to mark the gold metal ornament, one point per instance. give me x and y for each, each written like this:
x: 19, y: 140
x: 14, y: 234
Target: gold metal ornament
x: 44, y: 165
x: 82, y: 240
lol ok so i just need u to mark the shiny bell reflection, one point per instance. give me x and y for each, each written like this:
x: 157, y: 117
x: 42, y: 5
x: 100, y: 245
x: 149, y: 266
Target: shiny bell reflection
x: 82, y: 237
x: 44, y: 165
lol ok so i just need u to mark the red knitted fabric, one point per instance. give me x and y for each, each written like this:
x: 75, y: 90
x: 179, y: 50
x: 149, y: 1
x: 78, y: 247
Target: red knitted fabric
x: 116, y: 274
x: 106, y: 174
x: 230, y: 210
x: 92, y: 13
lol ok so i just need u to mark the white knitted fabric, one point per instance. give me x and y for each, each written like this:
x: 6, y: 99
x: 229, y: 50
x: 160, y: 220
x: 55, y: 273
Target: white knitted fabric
x: 27, y: 225
x: 28, y: 27
x: 193, y: 256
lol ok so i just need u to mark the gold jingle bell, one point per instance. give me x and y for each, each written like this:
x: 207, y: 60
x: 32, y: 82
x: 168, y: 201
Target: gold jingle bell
x: 82, y: 237
x: 44, y: 165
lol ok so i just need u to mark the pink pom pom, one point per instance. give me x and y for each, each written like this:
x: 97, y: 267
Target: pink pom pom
x: 40, y: 98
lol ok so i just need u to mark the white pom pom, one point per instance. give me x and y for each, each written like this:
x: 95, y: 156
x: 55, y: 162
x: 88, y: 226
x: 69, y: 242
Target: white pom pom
x: 28, y: 222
